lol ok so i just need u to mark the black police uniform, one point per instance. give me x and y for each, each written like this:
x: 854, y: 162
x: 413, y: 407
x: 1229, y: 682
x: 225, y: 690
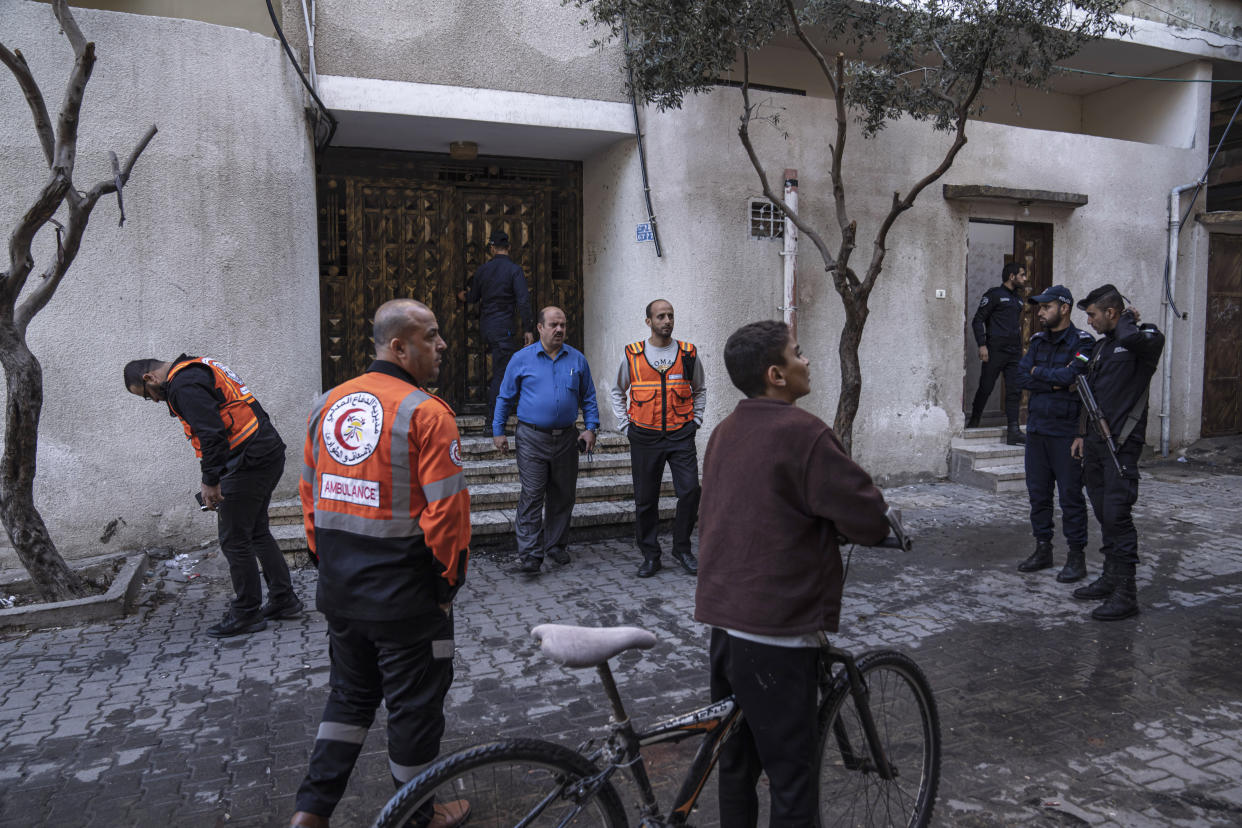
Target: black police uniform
x: 998, y: 325
x: 1119, y: 375
x: 1051, y: 364
x: 499, y: 286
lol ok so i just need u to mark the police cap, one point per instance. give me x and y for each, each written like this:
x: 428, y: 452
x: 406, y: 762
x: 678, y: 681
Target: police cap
x: 1056, y: 293
x: 499, y: 238
x: 1094, y: 296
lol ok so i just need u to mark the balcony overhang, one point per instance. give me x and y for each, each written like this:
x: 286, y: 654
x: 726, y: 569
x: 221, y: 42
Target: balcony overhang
x: 983, y: 193
x: 1222, y: 221
x: 428, y: 117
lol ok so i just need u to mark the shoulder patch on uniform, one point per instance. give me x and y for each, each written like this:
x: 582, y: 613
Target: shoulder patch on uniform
x: 984, y: 300
x: 455, y: 453
x: 1085, y: 335
x: 1039, y: 335
x: 352, y: 428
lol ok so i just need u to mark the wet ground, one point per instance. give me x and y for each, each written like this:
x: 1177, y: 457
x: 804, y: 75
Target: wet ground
x: 1048, y: 718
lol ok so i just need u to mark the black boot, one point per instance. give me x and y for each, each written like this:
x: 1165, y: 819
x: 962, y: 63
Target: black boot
x: 1123, y: 603
x: 1075, y: 568
x: 973, y: 422
x: 1014, y: 436
x: 1100, y: 588
x: 1041, y: 558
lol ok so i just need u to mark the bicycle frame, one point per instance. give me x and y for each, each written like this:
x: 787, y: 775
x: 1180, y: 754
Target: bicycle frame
x: 852, y: 678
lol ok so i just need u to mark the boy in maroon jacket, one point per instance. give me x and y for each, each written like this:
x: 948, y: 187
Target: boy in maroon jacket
x: 778, y: 489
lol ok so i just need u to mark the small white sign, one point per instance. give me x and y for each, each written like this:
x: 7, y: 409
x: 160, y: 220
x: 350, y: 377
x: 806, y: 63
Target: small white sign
x: 643, y: 232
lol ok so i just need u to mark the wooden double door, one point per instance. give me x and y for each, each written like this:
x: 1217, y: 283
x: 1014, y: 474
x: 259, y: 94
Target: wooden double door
x: 1222, y: 357
x: 413, y: 225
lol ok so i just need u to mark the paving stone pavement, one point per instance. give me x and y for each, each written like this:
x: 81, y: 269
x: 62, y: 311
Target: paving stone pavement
x: 1047, y: 718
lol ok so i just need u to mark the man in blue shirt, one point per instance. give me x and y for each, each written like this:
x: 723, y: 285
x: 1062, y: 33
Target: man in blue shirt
x: 547, y: 382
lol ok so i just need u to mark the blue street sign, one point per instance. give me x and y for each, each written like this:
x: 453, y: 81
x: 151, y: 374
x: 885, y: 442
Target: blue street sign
x: 643, y: 232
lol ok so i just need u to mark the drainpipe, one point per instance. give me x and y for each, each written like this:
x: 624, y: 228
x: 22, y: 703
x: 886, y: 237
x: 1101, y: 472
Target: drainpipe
x: 1166, y: 376
x: 790, y: 254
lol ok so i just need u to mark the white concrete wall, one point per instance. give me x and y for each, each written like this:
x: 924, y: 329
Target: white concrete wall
x: 514, y: 45
x: 1154, y: 112
x: 912, y: 350
x: 217, y: 257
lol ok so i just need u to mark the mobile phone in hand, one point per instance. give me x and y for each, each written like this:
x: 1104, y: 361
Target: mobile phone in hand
x: 202, y: 507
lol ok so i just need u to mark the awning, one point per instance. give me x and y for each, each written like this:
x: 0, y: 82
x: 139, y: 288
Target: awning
x: 1022, y: 198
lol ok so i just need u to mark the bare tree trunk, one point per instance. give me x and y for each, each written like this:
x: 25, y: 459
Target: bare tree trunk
x: 856, y: 312
x: 24, y: 389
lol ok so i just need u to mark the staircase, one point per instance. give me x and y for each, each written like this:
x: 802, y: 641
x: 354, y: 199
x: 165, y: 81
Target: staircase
x: 604, y: 507
x: 980, y: 458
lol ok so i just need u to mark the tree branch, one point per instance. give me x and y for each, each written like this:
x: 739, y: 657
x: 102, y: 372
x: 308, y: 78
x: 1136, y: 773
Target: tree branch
x: 21, y: 261
x: 69, y: 26
x: 743, y: 132
x: 34, y: 97
x: 79, y: 215
x: 70, y: 109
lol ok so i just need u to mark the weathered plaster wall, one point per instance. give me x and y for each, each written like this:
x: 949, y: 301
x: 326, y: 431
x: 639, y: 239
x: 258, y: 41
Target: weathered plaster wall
x: 217, y: 257
x: 913, y: 350
x: 513, y: 45
x: 1150, y: 111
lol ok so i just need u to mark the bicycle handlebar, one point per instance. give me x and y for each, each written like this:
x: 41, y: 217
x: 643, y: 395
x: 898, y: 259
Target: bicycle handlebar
x: 897, y: 537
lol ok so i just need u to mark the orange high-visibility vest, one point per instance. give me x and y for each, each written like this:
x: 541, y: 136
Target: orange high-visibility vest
x: 240, y: 422
x: 382, y: 461
x: 661, y: 401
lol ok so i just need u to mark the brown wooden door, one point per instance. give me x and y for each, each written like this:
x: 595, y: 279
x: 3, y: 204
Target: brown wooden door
x: 1032, y: 248
x: 416, y: 225
x: 1222, y: 359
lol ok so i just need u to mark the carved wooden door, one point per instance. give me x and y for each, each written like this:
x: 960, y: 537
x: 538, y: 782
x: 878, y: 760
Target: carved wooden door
x: 1222, y: 359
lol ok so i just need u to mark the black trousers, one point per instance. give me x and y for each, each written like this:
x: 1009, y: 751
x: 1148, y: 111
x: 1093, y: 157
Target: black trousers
x: 502, y: 345
x: 246, y: 540
x: 777, y: 689
x: 406, y: 664
x: 648, y: 455
x: 999, y: 362
x: 1048, y: 463
x: 1112, y: 497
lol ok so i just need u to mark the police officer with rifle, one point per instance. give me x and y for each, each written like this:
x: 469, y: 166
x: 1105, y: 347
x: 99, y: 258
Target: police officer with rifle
x: 1111, y: 432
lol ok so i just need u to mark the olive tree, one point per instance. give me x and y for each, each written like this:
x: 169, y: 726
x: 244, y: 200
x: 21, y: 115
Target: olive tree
x: 882, y: 60
x: 19, y: 301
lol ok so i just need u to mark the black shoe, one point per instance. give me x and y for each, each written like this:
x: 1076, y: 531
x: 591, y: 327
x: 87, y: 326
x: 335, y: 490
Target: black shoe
x: 1014, y: 436
x: 1075, y: 568
x: 1100, y: 588
x: 973, y: 422
x: 649, y: 567
x: 530, y: 564
x: 560, y: 556
x: 230, y: 626
x: 1041, y: 558
x: 687, y: 561
x: 1122, y: 604
x: 286, y: 610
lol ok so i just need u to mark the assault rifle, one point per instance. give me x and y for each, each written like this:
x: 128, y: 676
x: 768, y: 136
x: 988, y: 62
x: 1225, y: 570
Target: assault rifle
x: 1097, y: 418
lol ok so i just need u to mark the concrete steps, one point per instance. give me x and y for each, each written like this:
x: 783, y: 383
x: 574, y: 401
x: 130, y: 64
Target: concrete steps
x: 604, y: 507
x: 981, y: 458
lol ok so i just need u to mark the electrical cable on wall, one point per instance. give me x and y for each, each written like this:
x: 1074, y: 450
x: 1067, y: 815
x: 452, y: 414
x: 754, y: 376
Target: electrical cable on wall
x: 323, y: 110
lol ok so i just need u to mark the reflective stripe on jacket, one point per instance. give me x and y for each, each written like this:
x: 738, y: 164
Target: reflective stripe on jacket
x: 661, y: 401
x: 240, y: 421
x: 384, y: 498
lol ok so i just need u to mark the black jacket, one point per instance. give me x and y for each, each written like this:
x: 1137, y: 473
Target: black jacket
x: 1050, y: 366
x: 1120, y: 373
x: 499, y: 286
x: 998, y: 321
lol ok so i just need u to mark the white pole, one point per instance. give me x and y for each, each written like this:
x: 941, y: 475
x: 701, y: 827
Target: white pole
x: 790, y: 254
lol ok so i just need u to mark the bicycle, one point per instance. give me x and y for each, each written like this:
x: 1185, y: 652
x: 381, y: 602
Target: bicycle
x: 879, y: 757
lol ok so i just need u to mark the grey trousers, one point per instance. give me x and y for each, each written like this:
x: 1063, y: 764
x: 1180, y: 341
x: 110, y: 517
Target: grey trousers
x: 548, y: 470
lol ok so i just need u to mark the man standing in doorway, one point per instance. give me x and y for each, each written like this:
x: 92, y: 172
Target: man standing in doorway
x: 998, y: 333
x: 1057, y: 356
x: 666, y: 400
x: 546, y: 383
x: 242, y: 458
x: 1119, y: 374
x: 499, y: 288
x: 387, y: 519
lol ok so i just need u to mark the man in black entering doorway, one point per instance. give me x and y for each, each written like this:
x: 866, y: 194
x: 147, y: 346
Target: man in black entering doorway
x: 998, y: 333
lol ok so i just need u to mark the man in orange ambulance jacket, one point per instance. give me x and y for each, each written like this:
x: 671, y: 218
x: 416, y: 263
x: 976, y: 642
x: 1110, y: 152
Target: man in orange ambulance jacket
x: 388, y: 520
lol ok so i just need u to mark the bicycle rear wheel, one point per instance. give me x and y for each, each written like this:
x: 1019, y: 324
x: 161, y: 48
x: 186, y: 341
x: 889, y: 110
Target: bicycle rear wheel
x: 851, y: 792
x: 524, y: 782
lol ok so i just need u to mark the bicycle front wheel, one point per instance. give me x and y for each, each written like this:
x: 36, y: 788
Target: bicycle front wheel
x: 524, y: 782
x: 852, y: 793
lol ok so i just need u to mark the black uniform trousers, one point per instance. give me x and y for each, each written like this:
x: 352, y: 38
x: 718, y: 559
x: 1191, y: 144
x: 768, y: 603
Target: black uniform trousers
x: 777, y: 689
x: 1112, y: 497
x: 502, y: 345
x: 407, y: 664
x: 1000, y: 361
x: 649, y: 452
x: 1048, y: 462
x: 246, y: 540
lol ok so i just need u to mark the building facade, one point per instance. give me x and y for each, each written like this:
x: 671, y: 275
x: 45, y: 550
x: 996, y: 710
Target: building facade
x: 245, y: 242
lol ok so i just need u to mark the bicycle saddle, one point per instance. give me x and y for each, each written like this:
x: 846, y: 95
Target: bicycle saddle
x: 589, y: 646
